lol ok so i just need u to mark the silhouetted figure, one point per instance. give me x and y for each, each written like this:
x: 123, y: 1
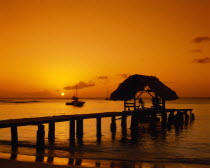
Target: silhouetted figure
x: 156, y: 103
x: 141, y: 103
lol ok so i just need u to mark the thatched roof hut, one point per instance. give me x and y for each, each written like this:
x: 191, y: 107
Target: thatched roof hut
x: 135, y: 83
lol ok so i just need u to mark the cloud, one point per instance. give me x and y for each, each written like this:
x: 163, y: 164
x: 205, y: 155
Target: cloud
x: 102, y: 77
x: 123, y: 75
x: 196, y: 51
x: 80, y: 85
x: 201, y: 39
x: 202, y: 60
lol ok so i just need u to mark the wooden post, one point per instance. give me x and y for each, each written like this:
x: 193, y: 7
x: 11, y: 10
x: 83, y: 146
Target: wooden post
x: 98, y: 164
x: 134, y: 126
x: 50, y: 159
x: 113, y: 125
x: 72, y: 130
x: 13, y: 156
x: 171, y: 117
x: 134, y: 121
x: 40, y: 157
x: 125, y: 105
x: 71, y: 161
x: 124, y: 125
x: 98, y: 128
x: 164, y: 114
x: 124, y: 121
x: 79, y: 129
x: 192, y: 115
x: 134, y: 103
x: 186, y: 117
x: 14, y: 137
x: 78, y: 162
x: 40, y: 141
x: 51, y: 132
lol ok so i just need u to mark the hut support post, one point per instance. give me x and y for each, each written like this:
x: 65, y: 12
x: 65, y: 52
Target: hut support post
x: 98, y: 128
x: 14, y: 137
x: 72, y: 130
x: 164, y: 113
x: 51, y: 132
x: 40, y: 139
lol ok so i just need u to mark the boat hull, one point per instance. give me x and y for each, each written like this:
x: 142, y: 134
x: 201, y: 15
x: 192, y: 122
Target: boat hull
x: 76, y: 103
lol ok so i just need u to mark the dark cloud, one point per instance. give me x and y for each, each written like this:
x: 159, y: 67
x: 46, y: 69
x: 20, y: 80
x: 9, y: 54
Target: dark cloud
x: 196, y: 51
x: 102, y: 77
x: 201, y: 39
x: 203, y: 60
x: 80, y: 85
x: 123, y: 75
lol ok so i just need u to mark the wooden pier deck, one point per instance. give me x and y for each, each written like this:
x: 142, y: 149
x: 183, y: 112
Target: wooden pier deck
x: 76, y: 123
x: 60, y: 118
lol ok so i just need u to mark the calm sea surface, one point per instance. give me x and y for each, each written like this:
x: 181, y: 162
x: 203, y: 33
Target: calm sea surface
x: 190, y: 145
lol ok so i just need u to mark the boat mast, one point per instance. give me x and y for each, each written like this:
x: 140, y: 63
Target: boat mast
x: 76, y: 92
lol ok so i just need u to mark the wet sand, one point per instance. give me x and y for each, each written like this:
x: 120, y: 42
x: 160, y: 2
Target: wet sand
x: 5, y: 163
x: 26, y: 162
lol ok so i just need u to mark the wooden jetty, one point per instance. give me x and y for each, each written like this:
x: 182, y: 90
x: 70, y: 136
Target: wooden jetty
x: 76, y: 123
x: 131, y: 89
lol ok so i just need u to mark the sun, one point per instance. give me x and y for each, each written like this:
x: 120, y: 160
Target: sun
x: 62, y: 94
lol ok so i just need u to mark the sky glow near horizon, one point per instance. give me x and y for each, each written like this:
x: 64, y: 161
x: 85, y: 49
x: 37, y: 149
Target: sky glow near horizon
x: 50, y: 45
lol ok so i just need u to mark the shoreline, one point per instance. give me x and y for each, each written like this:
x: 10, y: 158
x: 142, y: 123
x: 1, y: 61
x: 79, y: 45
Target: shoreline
x: 25, y: 161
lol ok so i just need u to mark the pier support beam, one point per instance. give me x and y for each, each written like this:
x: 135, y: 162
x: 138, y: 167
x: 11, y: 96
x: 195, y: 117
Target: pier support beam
x: 98, y: 128
x: 113, y: 125
x: 124, y: 122
x: 186, y: 117
x: 124, y: 126
x: 79, y: 129
x: 134, y: 121
x: 14, y: 137
x: 51, y: 132
x: 40, y: 139
x: 72, y: 131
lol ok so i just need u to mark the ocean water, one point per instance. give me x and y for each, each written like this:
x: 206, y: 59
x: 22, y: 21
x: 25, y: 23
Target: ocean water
x: 189, y: 146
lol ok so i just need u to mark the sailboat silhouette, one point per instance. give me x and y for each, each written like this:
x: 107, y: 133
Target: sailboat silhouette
x: 75, y: 100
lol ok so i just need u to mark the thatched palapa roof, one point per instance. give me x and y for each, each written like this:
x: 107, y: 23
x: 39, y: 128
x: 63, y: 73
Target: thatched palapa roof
x: 135, y: 83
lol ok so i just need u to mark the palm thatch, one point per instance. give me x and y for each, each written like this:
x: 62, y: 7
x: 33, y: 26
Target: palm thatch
x: 135, y: 83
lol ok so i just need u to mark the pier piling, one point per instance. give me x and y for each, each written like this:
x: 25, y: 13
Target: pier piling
x: 40, y: 141
x: 72, y: 131
x: 14, y: 137
x: 113, y: 125
x: 79, y: 129
x: 176, y: 117
x: 98, y: 128
x: 51, y: 132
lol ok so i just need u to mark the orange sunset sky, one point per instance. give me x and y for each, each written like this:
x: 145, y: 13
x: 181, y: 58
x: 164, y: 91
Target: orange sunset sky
x: 48, y: 46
